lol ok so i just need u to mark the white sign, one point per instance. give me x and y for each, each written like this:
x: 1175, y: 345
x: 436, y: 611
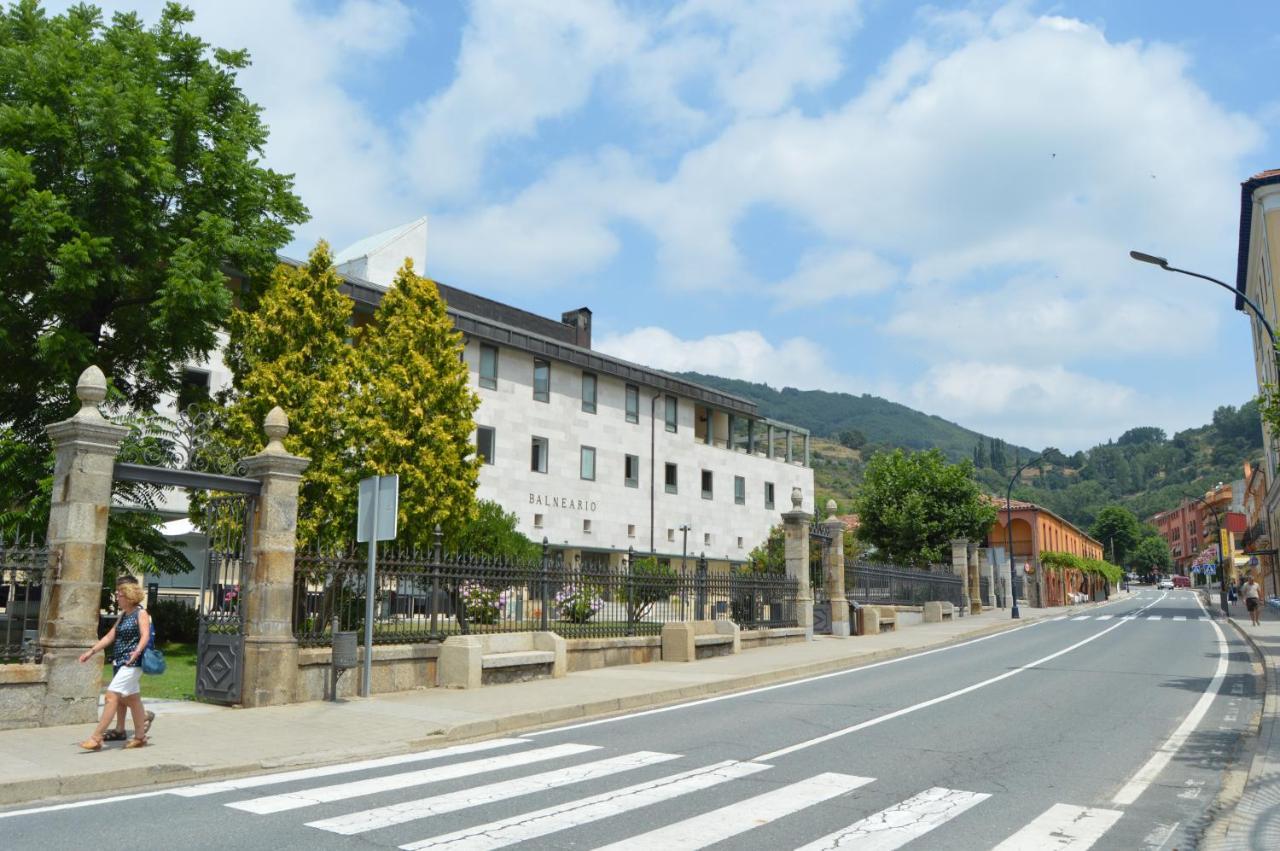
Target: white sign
x: 385, y: 491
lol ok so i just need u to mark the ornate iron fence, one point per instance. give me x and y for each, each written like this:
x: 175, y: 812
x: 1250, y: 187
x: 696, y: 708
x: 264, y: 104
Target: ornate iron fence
x: 426, y: 597
x: 22, y: 567
x: 888, y: 585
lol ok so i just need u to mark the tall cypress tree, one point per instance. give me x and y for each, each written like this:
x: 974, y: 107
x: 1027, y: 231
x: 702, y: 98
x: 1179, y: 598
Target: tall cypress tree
x: 292, y: 350
x: 416, y: 409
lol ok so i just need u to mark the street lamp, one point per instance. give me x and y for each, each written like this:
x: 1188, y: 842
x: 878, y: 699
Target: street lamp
x: 1164, y: 264
x: 1008, y: 528
x: 1222, y: 568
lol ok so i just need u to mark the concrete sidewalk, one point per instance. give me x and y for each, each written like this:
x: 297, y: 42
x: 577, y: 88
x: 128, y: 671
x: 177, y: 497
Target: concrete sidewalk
x: 194, y: 742
x: 1254, y: 821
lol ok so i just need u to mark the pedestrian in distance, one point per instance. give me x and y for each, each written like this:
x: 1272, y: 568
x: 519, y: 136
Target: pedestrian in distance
x: 130, y: 637
x: 1253, y: 600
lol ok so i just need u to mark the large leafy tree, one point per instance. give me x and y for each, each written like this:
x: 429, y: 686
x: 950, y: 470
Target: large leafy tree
x: 129, y: 179
x: 1151, y: 554
x: 293, y: 350
x: 1119, y: 531
x: 415, y: 408
x: 912, y: 505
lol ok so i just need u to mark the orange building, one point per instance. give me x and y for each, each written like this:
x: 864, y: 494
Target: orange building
x: 1035, y: 530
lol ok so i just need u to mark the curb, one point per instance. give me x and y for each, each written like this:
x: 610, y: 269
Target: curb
x: 56, y: 789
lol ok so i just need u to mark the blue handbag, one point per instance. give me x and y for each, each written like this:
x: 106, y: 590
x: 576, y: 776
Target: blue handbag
x: 152, y: 659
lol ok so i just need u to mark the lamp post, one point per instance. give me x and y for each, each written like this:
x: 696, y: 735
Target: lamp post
x: 1222, y: 568
x: 1008, y: 528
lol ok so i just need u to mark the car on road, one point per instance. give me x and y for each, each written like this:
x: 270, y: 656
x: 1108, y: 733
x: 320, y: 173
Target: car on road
x: 1166, y: 584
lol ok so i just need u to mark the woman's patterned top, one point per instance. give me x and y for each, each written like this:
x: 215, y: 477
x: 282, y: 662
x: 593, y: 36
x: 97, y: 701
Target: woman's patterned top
x: 127, y: 638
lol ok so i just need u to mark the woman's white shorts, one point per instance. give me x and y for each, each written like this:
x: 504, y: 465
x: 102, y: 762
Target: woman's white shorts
x: 127, y: 681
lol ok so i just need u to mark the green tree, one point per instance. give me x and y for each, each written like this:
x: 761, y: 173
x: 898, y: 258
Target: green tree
x: 912, y: 505
x: 1151, y: 554
x: 129, y: 179
x: 1118, y: 530
x: 415, y: 408
x: 491, y: 532
x: 648, y: 582
x: 293, y: 351
x: 852, y: 439
x: 770, y: 556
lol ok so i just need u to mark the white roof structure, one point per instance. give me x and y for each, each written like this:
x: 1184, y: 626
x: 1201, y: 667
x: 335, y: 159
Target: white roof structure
x: 377, y: 258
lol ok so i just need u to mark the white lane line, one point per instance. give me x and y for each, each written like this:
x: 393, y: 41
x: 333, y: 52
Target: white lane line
x: 1082, y: 618
x: 1062, y: 826
x: 710, y: 828
x: 1144, y: 777
x: 895, y: 826
x: 345, y: 768
x: 520, y: 828
x: 374, y: 785
x: 789, y: 684
x: 479, y: 795
x: 53, y: 808
x: 1105, y: 617
x: 933, y: 701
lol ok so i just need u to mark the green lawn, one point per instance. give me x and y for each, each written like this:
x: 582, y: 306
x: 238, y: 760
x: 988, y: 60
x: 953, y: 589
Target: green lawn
x: 178, y: 679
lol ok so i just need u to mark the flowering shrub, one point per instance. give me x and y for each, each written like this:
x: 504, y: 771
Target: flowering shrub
x: 484, y: 605
x: 577, y: 605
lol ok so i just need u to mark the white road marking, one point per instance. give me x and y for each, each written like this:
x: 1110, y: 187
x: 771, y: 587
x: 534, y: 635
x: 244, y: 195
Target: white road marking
x: 932, y: 701
x: 1105, y: 617
x: 465, y: 798
x: 373, y: 785
x: 1062, y: 826
x: 1179, y: 617
x: 53, y: 808
x: 1082, y: 618
x: 1058, y: 618
x: 1153, y: 617
x: 1148, y: 773
x: 520, y: 828
x: 347, y: 767
x: 895, y: 826
x: 712, y: 827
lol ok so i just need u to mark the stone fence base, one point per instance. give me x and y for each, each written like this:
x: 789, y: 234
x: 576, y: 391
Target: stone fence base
x: 22, y: 695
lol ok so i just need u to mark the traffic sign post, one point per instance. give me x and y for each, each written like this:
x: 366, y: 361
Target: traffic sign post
x: 379, y: 506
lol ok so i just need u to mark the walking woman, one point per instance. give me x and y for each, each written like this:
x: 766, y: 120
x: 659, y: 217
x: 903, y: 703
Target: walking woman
x: 130, y: 635
x: 1252, y: 600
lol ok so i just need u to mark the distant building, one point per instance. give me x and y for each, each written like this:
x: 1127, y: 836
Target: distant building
x: 1036, y: 530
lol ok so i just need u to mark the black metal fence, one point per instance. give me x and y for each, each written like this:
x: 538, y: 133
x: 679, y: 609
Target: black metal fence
x: 22, y: 567
x: 425, y: 597
x: 900, y: 586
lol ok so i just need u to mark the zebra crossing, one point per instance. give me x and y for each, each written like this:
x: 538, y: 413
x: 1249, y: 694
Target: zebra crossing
x: 1133, y: 616
x: 915, y: 816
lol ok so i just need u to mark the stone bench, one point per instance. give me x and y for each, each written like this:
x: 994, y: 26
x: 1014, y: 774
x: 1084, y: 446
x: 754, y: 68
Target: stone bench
x: 938, y: 611
x: 685, y: 641
x: 469, y: 661
x: 876, y: 618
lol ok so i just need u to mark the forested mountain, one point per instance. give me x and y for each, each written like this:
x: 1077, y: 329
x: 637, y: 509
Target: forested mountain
x: 1143, y: 469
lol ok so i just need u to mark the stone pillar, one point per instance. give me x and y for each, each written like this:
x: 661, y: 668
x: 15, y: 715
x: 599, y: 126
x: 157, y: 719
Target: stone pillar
x: 270, y: 650
x: 796, y: 525
x: 985, y: 569
x: 975, y: 587
x: 85, y: 448
x: 960, y: 567
x: 833, y: 569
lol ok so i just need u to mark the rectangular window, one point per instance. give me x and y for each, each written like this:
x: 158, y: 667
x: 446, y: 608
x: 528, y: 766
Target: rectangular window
x: 537, y: 521
x: 633, y: 403
x: 586, y: 526
x: 587, y: 463
x: 706, y: 539
x: 739, y: 542
x: 631, y: 471
x: 194, y: 389
x: 706, y: 484
x: 588, y: 392
x: 672, y: 413
x: 489, y: 366
x: 631, y: 530
x: 739, y: 490
x: 541, y: 380
x: 671, y: 535
x: 484, y: 444
x: 538, y: 461
x: 768, y: 494
x: 671, y: 480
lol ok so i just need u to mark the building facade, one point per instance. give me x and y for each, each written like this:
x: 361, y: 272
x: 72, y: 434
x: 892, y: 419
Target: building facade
x: 1183, y: 530
x: 1036, y: 530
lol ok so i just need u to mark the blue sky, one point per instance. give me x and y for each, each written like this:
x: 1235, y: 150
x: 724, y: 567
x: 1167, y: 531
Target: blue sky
x: 927, y: 202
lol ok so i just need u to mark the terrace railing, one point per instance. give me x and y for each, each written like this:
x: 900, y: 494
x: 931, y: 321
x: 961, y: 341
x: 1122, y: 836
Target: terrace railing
x: 879, y: 584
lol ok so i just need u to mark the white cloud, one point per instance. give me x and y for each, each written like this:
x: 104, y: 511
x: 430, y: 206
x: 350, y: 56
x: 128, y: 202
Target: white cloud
x: 746, y: 355
x: 822, y: 276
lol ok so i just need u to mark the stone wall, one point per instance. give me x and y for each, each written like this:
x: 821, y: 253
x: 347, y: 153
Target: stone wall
x: 754, y: 638
x: 588, y: 653
x: 396, y: 667
x: 22, y: 695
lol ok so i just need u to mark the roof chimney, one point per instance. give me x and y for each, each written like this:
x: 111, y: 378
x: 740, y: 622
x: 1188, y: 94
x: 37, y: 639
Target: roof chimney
x: 580, y: 320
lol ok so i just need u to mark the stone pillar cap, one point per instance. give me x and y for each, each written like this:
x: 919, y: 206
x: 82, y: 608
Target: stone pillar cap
x: 831, y: 508
x: 797, y: 498
x: 276, y: 425
x: 91, y: 389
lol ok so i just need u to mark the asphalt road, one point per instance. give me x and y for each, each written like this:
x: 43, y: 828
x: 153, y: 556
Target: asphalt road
x: 1108, y: 730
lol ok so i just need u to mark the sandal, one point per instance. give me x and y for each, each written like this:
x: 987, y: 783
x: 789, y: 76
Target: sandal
x: 93, y: 743
x: 114, y: 736
x: 135, y: 743
x: 146, y: 728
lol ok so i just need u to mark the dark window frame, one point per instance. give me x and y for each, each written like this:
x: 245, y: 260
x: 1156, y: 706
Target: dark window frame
x: 632, y: 405
x: 489, y: 382
x: 671, y: 478
x: 594, y: 381
x: 633, y: 480
x: 493, y: 443
x: 739, y: 490
x: 543, y: 395
x: 583, y: 453
x: 671, y: 414
x: 544, y: 456
x: 708, y: 484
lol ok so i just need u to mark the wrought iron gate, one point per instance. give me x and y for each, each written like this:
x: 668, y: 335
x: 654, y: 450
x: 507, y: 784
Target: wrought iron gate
x: 220, y: 649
